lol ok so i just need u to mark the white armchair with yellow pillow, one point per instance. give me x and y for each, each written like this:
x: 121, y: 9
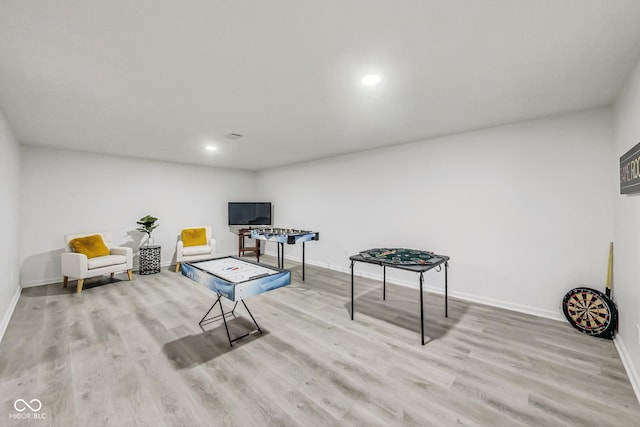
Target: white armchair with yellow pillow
x: 91, y: 255
x: 195, y: 243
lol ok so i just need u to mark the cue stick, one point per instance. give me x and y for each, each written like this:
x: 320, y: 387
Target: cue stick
x: 610, y: 271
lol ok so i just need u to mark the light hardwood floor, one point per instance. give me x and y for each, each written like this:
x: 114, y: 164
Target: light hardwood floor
x: 132, y: 353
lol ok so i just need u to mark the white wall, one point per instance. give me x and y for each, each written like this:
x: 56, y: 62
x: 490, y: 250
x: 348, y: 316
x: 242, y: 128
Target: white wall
x: 523, y: 210
x: 66, y: 192
x: 626, y: 287
x: 9, y: 223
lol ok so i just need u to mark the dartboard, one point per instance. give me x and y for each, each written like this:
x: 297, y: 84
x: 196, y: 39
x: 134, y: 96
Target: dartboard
x: 590, y: 311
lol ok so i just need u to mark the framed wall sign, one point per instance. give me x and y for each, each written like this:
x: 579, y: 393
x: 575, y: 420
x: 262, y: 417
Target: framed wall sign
x: 630, y: 171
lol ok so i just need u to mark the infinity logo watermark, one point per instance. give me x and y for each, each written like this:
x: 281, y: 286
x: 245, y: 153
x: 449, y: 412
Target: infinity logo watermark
x: 21, y: 405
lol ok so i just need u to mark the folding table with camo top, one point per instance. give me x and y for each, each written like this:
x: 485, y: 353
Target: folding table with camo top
x: 403, y: 259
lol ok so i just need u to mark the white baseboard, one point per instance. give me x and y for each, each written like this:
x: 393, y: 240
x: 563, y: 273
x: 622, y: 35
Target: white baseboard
x: 9, y: 313
x: 53, y: 280
x: 50, y: 281
x: 548, y: 314
x: 41, y: 282
x: 629, y: 366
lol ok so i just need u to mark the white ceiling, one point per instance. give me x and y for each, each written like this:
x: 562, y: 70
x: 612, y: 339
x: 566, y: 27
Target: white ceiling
x: 160, y: 79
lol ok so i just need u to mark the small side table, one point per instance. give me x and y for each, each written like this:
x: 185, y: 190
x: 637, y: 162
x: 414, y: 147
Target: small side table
x: 149, y: 260
x: 246, y: 232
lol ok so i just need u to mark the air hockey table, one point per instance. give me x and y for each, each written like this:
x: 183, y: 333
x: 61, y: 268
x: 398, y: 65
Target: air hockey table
x: 414, y: 260
x: 281, y: 236
x: 234, y: 279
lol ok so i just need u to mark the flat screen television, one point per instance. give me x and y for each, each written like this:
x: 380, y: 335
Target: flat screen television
x: 249, y: 213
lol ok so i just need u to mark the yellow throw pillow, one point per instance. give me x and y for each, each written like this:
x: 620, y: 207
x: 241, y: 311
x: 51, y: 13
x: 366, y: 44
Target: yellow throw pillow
x: 194, y: 236
x: 92, y: 246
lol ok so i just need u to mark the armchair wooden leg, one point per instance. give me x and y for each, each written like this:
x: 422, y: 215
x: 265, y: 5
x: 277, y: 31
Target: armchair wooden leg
x: 177, y: 267
x: 130, y: 275
x: 65, y: 282
x: 80, y: 283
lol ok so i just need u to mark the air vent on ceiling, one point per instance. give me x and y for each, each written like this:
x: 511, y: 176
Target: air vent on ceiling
x: 233, y: 136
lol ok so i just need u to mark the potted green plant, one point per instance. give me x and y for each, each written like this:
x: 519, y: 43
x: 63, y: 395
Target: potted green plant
x: 147, y: 225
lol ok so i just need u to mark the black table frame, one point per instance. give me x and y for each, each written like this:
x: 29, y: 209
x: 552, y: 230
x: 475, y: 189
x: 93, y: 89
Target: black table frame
x: 204, y: 321
x: 417, y: 268
x: 281, y: 256
x: 291, y: 241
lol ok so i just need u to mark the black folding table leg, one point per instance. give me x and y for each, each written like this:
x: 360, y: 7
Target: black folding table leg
x: 278, y: 254
x: 384, y: 282
x: 231, y: 341
x: 446, y: 297
x: 224, y: 319
x: 226, y: 328
x: 421, y: 309
x: 234, y: 309
x: 210, y: 308
x: 281, y: 264
x: 352, y: 262
x: 303, y: 261
x: 252, y: 318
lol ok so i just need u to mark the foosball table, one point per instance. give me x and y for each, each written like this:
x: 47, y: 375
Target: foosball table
x: 281, y: 236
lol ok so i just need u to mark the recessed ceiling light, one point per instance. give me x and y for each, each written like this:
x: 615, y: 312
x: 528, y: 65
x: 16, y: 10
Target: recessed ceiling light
x: 370, y: 80
x: 210, y: 148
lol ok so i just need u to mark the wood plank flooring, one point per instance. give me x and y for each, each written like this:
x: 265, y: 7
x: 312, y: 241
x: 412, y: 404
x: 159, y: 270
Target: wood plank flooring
x: 132, y: 353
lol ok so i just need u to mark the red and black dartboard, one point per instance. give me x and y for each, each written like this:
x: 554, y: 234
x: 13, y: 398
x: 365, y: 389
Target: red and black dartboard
x: 590, y: 311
